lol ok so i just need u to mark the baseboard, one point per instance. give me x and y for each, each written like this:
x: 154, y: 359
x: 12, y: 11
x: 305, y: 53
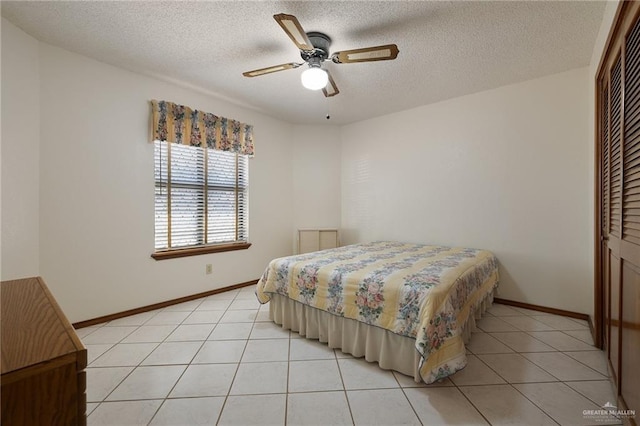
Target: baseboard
x: 155, y: 306
x: 555, y: 311
x: 111, y: 317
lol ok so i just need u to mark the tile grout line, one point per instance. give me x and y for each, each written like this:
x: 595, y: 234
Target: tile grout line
x: 153, y: 350
x: 560, y: 350
x: 524, y: 332
x: 112, y: 347
x: 558, y: 379
x: 590, y: 399
x: 286, y: 398
x: 460, y: 390
x: 192, y: 358
x: 140, y: 363
x: 586, y: 365
x: 572, y: 359
x: 471, y: 402
x: 337, y: 360
x: 344, y: 387
x: 552, y: 375
x: 235, y: 374
x: 536, y: 405
x: 406, y: 397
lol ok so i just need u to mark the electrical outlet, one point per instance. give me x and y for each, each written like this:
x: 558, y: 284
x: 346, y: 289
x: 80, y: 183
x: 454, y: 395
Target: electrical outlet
x: 209, y: 269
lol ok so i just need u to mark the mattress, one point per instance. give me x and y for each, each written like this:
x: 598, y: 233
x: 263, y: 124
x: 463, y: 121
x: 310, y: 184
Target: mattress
x: 423, y: 293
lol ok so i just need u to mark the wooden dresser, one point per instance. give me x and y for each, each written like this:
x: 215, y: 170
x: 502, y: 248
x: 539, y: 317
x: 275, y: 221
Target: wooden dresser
x: 43, y: 360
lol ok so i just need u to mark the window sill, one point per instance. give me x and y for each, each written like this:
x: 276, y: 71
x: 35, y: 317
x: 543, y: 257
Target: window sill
x: 196, y: 251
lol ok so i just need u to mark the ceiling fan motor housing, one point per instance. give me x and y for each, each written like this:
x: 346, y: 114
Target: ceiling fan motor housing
x: 314, y: 50
x: 321, y: 43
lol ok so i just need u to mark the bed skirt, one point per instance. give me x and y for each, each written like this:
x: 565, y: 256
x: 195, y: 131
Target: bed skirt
x: 391, y: 351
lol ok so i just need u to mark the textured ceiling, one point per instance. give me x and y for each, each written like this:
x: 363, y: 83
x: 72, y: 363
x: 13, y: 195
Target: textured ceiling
x: 447, y: 49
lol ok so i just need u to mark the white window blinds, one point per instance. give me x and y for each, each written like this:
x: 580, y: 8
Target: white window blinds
x: 201, y: 196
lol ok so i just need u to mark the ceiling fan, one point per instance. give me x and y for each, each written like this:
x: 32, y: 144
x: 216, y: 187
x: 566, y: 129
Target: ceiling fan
x: 314, y: 50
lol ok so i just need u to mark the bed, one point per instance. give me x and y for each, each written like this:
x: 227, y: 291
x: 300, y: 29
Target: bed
x: 409, y: 307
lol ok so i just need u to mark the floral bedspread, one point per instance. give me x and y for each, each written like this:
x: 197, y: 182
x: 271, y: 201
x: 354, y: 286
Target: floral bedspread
x: 423, y: 292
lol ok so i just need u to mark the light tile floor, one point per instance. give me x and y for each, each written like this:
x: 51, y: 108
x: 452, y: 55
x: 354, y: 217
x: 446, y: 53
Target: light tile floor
x: 219, y: 360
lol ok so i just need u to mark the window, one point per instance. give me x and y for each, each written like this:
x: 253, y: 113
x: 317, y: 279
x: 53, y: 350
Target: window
x: 201, y: 200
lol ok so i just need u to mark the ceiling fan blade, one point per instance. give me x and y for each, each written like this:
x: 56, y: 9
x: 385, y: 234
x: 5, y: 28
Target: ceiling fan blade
x: 331, y: 89
x: 292, y: 27
x: 367, y: 54
x: 268, y: 70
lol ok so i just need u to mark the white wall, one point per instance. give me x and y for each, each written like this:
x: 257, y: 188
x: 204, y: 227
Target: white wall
x: 83, y: 218
x: 96, y: 185
x: 20, y: 154
x: 506, y: 170
x: 316, y: 177
x: 471, y: 171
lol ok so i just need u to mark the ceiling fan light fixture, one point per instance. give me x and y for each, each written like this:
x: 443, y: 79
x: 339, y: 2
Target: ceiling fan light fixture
x: 314, y: 78
x: 314, y: 50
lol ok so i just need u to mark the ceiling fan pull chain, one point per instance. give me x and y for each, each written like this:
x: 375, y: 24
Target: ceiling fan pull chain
x: 314, y: 50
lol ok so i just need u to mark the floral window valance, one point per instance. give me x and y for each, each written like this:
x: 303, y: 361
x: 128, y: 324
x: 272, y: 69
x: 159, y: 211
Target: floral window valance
x: 180, y: 124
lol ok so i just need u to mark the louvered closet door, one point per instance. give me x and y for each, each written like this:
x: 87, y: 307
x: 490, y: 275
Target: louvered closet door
x: 619, y: 198
x: 629, y: 312
x: 605, y: 210
x: 615, y: 216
